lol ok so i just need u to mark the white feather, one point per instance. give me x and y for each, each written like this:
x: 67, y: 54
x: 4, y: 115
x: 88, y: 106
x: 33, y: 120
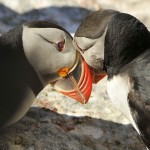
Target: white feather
x: 118, y: 89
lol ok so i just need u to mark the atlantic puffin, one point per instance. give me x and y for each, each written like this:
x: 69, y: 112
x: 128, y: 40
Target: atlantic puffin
x: 119, y: 44
x: 33, y: 55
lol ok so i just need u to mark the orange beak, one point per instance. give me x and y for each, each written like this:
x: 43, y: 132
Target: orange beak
x: 97, y: 76
x: 75, y: 82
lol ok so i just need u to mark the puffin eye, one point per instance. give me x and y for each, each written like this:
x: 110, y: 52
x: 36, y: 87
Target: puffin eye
x: 82, y: 50
x: 60, y: 46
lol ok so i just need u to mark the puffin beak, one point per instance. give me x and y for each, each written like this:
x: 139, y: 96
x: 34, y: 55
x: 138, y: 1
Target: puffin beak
x: 75, y: 82
x: 97, y: 75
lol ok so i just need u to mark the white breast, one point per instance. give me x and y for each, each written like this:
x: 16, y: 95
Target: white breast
x: 118, y: 88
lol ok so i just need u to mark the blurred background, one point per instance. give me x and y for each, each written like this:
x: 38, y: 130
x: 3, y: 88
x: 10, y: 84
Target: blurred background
x: 65, y: 124
x: 68, y: 13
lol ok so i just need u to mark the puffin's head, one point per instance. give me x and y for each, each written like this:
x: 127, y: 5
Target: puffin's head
x: 49, y: 50
x: 89, y: 39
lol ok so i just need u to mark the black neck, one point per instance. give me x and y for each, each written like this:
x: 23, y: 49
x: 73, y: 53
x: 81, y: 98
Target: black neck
x: 13, y: 58
x: 126, y: 39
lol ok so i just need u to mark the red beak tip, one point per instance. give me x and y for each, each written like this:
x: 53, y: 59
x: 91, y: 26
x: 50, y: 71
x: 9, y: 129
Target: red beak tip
x: 83, y: 93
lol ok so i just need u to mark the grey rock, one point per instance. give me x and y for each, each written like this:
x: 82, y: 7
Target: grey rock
x: 42, y: 129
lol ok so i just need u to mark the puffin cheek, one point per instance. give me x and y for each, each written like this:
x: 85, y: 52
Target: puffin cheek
x: 94, y: 61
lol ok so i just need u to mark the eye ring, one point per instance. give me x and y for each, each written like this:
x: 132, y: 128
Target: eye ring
x: 60, y: 46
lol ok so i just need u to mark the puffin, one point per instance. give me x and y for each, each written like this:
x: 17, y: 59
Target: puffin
x: 117, y: 44
x: 33, y: 55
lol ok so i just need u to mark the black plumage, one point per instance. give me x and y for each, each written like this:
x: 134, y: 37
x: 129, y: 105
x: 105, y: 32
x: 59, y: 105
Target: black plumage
x: 16, y: 74
x: 28, y: 56
x: 127, y: 51
x: 121, y: 43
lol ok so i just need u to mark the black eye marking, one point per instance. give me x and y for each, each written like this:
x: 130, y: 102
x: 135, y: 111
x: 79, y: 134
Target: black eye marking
x: 82, y: 50
x: 45, y: 39
x: 60, y: 46
x: 88, y: 47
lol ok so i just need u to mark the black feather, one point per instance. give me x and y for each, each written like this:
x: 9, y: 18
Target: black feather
x: 126, y: 39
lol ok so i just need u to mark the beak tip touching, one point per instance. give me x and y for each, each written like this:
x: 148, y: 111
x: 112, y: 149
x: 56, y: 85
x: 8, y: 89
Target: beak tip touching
x: 83, y: 90
x: 78, y: 83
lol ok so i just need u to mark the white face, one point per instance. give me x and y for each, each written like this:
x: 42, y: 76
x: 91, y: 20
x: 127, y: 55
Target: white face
x: 48, y: 50
x: 93, y: 50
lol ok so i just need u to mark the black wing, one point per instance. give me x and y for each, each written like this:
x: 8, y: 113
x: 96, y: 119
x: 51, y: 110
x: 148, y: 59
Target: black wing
x: 139, y: 97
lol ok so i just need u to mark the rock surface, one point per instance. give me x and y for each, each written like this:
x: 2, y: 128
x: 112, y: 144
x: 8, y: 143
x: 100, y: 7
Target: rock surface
x: 56, y: 122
